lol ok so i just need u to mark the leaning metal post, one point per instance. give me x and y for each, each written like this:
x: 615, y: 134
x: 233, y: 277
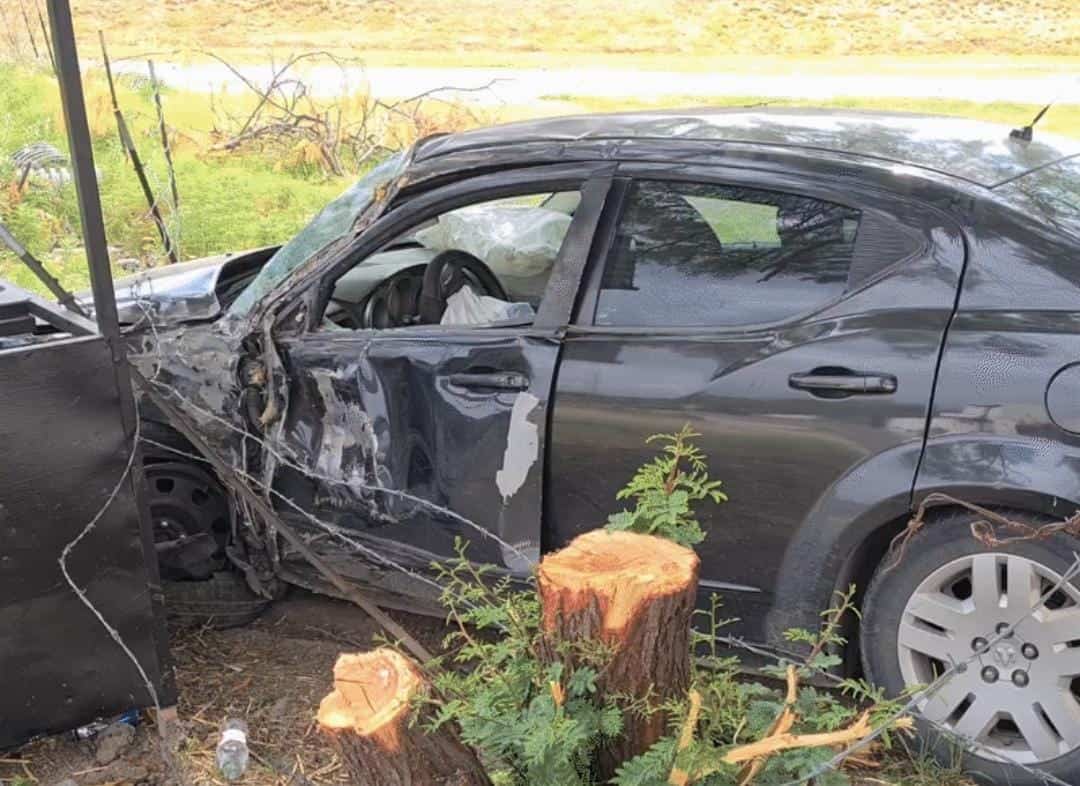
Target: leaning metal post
x: 97, y: 256
x: 86, y: 188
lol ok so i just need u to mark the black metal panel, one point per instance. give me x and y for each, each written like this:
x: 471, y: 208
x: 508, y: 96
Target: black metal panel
x: 64, y: 453
x: 799, y: 469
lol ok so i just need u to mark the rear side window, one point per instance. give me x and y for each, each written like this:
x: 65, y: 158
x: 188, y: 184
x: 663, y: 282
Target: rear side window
x: 689, y: 254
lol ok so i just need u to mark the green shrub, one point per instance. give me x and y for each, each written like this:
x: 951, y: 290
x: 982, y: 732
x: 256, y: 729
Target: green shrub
x: 666, y: 489
x: 535, y: 722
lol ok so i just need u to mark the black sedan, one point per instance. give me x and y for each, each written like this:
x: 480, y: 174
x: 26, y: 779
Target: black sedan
x: 854, y: 310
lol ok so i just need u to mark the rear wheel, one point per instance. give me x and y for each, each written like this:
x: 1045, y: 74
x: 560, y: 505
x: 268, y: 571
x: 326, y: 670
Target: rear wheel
x: 1018, y: 700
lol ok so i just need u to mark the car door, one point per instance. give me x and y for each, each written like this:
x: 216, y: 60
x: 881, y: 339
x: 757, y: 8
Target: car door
x: 416, y: 435
x: 794, y: 324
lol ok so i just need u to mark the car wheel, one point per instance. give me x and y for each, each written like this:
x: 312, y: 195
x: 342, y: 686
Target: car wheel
x: 945, y: 599
x: 222, y: 601
x: 185, y: 499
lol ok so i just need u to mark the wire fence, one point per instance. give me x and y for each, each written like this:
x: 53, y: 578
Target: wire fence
x: 913, y: 707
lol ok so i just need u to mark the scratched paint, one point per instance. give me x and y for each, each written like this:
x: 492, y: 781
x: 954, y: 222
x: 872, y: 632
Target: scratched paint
x: 522, y: 447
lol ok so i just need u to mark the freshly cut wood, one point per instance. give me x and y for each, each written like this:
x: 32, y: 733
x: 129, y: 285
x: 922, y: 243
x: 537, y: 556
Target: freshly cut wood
x: 781, y: 724
x: 367, y: 717
x: 786, y: 741
x: 634, y: 594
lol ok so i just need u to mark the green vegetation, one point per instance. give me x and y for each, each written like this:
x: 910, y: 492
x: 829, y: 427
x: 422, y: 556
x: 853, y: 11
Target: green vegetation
x: 666, y: 489
x: 227, y: 203
x: 540, y: 722
x: 258, y: 196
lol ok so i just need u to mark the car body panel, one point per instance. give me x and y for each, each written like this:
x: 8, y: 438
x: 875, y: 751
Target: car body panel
x: 789, y: 461
x: 395, y: 444
x: 347, y: 420
x: 186, y: 291
x: 1017, y: 325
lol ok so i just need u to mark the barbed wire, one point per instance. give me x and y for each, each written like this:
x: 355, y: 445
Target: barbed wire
x: 911, y: 708
x: 350, y: 482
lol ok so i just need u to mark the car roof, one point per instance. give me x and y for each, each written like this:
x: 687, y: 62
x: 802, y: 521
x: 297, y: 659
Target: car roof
x: 972, y: 150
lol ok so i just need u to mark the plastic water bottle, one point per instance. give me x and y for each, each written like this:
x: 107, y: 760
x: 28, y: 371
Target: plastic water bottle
x: 232, y: 749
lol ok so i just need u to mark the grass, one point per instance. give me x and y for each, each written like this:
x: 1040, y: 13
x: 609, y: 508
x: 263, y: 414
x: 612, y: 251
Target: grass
x: 495, y: 32
x: 907, y: 765
x: 228, y: 203
x: 231, y: 202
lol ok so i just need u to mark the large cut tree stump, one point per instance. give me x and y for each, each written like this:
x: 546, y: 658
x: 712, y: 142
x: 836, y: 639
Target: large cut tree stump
x: 635, y: 595
x: 367, y: 718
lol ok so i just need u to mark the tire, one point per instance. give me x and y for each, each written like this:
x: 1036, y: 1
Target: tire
x: 222, y: 601
x: 1020, y: 698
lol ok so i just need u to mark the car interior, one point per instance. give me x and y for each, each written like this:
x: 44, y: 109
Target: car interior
x: 482, y: 264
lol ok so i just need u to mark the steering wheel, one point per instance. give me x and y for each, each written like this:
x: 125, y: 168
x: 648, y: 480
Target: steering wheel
x: 447, y: 273
x: 395, y: 302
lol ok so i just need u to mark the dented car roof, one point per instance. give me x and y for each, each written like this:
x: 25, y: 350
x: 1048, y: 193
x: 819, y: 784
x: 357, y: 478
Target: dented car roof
x: 978, y: 152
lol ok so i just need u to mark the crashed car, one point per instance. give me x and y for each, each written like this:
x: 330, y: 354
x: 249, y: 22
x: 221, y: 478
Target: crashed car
x: 855, y: 311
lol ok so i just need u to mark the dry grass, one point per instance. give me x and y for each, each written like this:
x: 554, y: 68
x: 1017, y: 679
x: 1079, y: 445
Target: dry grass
x: 415, y: 32
x: 272, y: 674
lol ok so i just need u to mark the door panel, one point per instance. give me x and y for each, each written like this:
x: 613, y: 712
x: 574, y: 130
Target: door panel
x: 778, y: 447
x: 412, y: 444
x: 403, y: 440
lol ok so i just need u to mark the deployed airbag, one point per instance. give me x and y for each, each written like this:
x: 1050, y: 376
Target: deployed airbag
x: 513, y: 240
x: 465, y: 307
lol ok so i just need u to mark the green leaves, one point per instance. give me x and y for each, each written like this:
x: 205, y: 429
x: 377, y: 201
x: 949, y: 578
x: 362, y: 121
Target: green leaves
x: 666, y: 489
x: 538, y: 724
x: 532, y: 723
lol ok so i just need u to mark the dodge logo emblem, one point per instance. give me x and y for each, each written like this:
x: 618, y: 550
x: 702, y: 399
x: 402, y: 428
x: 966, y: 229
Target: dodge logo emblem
x: 1004, y: 654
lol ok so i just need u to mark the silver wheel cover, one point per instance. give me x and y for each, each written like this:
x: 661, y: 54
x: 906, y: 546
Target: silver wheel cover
x: 1019, y: 698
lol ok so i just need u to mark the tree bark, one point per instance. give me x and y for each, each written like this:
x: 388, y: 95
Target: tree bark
x: 633, y: 594
x: 367, y: 718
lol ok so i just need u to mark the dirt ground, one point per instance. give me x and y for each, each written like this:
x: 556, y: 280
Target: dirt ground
x: 272, y: 673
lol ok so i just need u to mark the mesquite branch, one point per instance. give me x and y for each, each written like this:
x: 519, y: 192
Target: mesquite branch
x: 340, y: 134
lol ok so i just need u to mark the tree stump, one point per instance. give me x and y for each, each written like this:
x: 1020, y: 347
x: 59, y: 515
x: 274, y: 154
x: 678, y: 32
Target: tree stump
x: 367, y: 716
x: 635, y: 594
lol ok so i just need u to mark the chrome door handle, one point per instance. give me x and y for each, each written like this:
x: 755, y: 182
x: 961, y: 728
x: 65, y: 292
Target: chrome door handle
x: 842, y: 383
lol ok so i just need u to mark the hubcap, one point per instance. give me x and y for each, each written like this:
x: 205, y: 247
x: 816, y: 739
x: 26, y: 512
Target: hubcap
x: 1020, y: 697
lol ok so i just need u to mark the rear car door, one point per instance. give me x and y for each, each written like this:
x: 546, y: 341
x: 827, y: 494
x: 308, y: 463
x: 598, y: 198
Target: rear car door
x: 414, y: 435
x: 796, y: 325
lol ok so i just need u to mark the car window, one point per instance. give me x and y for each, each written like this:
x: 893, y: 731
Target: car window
x: 688, y: 254
x: 516, y: 240
x: 330, y: 227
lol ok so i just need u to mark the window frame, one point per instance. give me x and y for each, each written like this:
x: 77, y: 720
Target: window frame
x: 591, y: 179
x: 841, y: 192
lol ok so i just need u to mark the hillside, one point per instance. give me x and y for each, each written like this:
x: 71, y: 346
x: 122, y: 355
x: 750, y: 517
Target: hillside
x: 535, y: 32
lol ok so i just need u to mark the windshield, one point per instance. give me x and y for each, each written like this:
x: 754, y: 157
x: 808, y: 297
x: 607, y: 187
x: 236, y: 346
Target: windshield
x: 331, y: 225
x: 1051, y: 195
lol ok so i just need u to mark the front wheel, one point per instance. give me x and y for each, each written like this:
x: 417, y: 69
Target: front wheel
x: 1017, y: 701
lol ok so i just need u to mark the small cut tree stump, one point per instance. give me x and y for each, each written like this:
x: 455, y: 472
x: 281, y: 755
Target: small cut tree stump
x: 367, y: 717
x: 635, y: 595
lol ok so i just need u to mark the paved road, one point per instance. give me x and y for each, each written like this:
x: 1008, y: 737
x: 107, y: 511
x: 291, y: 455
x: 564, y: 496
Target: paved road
x: 517, y: 86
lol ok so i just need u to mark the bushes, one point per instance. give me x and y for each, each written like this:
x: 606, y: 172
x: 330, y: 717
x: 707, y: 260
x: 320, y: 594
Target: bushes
x: 227, y: 204
x: 537, y: 722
